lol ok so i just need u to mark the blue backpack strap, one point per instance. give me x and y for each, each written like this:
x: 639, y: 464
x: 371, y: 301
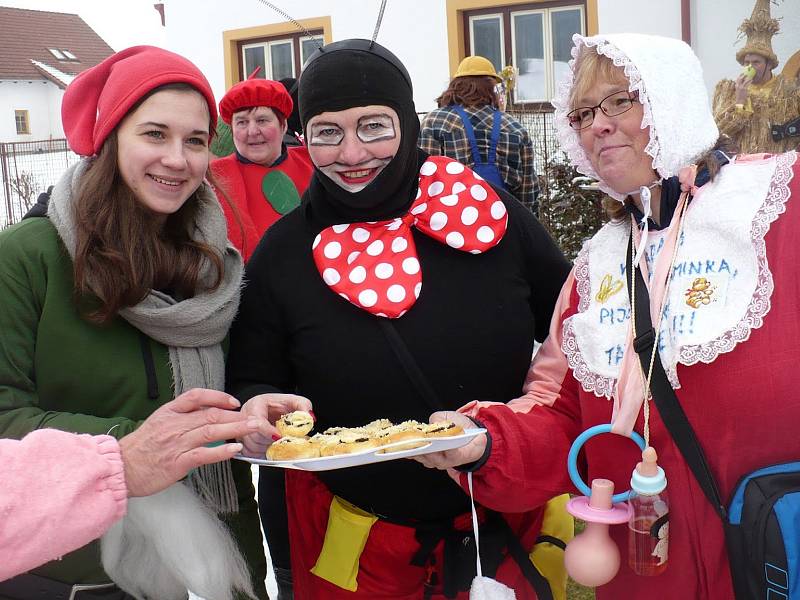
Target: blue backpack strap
x: 476, y: 155
x: 492, y: 158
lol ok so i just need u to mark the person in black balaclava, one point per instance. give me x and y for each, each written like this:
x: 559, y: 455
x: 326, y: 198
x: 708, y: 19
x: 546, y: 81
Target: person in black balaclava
x: 402, y: 285
x: 294, y: 130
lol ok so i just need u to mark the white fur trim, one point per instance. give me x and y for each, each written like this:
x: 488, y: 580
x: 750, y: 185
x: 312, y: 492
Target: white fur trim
x: 169, y: 543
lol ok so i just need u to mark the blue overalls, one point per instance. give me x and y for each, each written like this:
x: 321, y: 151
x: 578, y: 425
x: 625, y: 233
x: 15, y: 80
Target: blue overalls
x: 488, y: 170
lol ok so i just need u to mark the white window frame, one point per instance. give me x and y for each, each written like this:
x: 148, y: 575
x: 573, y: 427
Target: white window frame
x: 321, y: 42
x: 27, y: 120
x: 68, y: 54
x: 547, y: 34
x: 548, y: 53
x: 498, y: 16
x: 57, y: 53
x: 267, y: 50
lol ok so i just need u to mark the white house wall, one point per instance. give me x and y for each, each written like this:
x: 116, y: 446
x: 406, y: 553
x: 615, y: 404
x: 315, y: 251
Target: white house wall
x: 656, y: 17
x: 415, y: 30
x: 41, y: 99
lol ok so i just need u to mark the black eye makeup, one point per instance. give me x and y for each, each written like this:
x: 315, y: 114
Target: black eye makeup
x: 325, y: 134
x: 378, y: 127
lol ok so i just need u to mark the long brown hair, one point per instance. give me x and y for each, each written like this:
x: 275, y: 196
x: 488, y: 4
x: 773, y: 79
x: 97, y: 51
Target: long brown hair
x: 472, y: 90
x: 123, y: 251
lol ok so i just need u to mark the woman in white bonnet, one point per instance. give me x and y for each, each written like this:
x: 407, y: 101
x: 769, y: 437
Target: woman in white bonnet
x: 633, y: 114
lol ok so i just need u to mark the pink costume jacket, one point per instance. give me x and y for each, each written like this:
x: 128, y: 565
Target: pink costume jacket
x: 733, y: 361
x: 58, y: 491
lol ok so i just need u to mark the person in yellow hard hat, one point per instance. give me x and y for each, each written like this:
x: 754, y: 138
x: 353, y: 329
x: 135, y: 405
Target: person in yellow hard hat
x: 470, y: 127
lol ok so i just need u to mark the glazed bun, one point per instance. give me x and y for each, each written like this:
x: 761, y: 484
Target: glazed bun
x: 348, y: 442
x: 295, y: 424
x: 293, y: 448
x: 441, y: 429
x: 407, y: 430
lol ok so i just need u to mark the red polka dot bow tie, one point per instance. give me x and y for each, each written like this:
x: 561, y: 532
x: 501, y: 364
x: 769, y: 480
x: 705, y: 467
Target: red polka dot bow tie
x: 374, y: 265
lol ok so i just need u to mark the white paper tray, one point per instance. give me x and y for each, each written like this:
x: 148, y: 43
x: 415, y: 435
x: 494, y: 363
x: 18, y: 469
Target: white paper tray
x: 370, y: 456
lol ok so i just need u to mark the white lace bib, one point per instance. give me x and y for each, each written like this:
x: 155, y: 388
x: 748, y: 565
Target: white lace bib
x: 721, y: 284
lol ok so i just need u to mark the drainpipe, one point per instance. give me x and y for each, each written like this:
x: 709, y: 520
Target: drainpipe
x: 686, y: 21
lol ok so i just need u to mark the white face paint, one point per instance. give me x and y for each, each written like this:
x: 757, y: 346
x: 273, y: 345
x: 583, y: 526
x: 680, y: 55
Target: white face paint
x: 351, y: 147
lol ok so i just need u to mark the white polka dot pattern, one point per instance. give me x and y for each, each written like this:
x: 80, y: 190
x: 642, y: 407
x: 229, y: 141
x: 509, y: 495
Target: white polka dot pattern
x: 375, y: 266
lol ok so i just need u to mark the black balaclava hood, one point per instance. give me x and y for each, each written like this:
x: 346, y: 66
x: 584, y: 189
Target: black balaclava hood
x: 292, y: 120
x: 353, y: 73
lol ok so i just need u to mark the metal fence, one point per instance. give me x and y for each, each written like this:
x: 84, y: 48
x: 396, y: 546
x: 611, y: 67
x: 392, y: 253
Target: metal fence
x: 26, y: 170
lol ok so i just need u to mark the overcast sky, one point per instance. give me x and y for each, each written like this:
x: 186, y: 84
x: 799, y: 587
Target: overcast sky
x: 121, y: 23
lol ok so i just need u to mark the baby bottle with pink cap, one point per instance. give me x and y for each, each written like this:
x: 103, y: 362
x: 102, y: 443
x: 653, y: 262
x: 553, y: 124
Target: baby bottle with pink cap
x: 648, y: 528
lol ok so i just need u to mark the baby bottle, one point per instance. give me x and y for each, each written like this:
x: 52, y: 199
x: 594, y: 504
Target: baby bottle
x: 648, y: 528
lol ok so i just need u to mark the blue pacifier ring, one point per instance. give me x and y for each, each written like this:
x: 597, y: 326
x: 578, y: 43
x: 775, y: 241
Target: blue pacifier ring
x: 572, y: 459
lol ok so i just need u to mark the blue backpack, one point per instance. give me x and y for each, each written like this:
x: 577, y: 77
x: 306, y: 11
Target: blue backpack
x: 488, y: 170
x: 763, y: 533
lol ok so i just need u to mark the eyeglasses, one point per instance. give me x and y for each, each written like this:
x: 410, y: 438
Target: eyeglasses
x: 612, y: 105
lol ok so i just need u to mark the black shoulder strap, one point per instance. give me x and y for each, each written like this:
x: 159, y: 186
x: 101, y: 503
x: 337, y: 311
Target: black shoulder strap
x: 666, y: 401
x: 410, y: 365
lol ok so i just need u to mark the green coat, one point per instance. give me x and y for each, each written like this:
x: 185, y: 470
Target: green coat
x: 59, y: 371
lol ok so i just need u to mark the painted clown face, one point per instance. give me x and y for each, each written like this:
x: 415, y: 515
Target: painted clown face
x: 351, y: 147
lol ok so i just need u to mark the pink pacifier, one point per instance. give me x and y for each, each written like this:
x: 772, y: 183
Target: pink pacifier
x: 592, y: 557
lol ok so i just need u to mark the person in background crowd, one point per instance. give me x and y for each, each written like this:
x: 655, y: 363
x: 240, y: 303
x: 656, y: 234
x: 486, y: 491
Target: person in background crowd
x: 117, y: 301
x: 634, y: 115
x: 760, y: 111
x: 62, y: 490
x: 469, y: 127
x: 294, y: 130
x: 392, y: 253
x: 263, y: 178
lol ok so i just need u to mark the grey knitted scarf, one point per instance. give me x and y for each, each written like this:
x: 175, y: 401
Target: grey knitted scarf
x: 193, y: 329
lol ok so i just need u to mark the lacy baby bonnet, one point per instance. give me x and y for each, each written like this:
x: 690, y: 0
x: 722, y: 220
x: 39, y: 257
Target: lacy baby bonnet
x: 668, y: 78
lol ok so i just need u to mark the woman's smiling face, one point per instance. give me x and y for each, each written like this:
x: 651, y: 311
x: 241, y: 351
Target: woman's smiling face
x: 351, y: 147
x: 163, y: 149
x: 616, y: 145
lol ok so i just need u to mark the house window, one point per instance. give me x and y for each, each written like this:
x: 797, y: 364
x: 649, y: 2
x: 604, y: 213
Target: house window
x: 278, y: 57
x: 62, y: 54
x: 534, y: 38
x: 22, y: 122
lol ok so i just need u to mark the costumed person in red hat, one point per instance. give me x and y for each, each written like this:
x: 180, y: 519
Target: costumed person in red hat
x: 116, y: 302
x: 394, y: 263
x: 689, y: 293
x: 263, y: 177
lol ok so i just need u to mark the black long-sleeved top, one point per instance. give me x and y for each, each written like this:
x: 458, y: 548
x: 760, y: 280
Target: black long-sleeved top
x: 471, y: 332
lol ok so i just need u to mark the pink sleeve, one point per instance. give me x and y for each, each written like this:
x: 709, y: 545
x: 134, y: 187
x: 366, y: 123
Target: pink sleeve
x: 531, y: 435
x: 59, y: 491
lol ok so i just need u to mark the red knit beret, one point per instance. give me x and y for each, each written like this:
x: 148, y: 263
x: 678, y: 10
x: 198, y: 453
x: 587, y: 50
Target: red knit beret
x: 97, y: 100
x: 255, y: 92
